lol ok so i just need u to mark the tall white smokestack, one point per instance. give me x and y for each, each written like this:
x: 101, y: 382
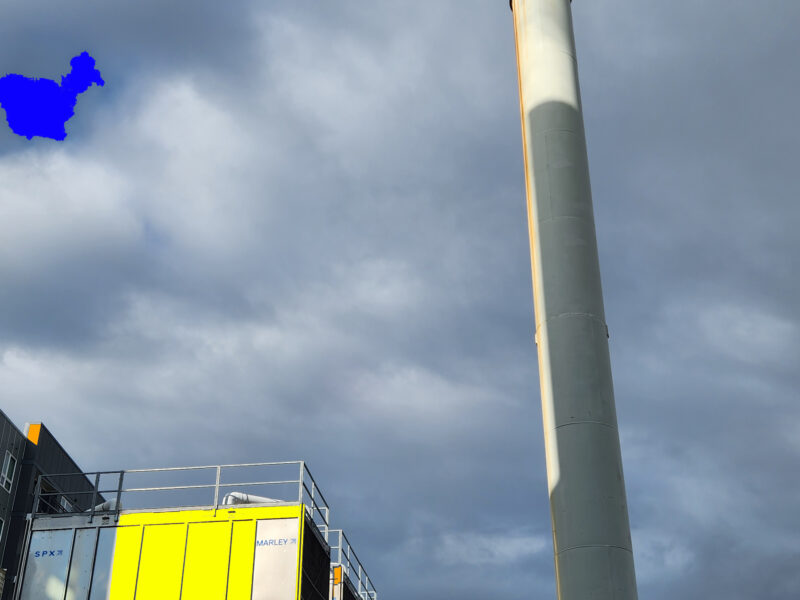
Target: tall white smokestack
x: 591, y: 533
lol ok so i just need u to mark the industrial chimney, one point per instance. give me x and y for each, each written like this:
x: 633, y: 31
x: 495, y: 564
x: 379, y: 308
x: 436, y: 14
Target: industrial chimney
x: 591, y: 533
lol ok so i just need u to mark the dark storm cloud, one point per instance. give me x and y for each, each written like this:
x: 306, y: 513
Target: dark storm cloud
x: 284, y: 231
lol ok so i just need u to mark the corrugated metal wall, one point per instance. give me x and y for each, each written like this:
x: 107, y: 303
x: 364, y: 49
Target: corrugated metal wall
x: 316, y: 565
x: 49, y: 457
x: 11, y: 439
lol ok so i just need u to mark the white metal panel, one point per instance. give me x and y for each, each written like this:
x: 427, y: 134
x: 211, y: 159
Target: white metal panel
x: 46, y: 568
x: 276, y: 559
x: 80, y: 565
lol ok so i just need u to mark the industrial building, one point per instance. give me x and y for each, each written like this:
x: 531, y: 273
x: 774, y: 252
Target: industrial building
x: 28, y: 458
x: 225, y: 532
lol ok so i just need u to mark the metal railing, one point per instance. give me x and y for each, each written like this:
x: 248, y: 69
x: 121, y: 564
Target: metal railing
x: 203, y: 487
x: 343, y: 555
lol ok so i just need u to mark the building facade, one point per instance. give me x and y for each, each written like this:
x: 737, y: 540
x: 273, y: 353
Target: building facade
x: 26, y: 456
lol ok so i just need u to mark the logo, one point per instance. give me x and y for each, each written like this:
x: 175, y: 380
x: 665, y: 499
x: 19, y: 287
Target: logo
x: 276, y: 542
x: 48, y: 553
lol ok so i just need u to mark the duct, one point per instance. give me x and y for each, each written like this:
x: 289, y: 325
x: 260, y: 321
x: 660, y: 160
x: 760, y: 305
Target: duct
x: 107, y: 506
x: 242, y: 498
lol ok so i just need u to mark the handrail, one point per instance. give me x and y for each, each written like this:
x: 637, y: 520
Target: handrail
x: 342, y: 554
x: 308, y: 492
x: 192, y: 468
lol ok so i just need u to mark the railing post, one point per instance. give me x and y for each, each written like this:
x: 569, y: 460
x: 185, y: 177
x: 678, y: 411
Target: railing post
x: 313, y: 502
x: 216, y: 490
x: 327, y: 517
x: 37, y: 494
x: 94, y: 496
x: 119, y: 496
x: 300, y: 483
x: 349, y: 564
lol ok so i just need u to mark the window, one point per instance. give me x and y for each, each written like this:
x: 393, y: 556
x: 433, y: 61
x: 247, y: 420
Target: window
x: 7, y: 473
x: 2, y: 527
x: 65, y: 504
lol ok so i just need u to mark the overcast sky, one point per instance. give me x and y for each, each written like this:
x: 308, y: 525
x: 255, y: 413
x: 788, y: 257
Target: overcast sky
x: 297, y: 231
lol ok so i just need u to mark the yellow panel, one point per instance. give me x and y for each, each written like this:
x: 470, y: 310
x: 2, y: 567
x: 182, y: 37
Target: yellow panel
x: 161, y: 564
x: 243, y: 545
x: 160, y: 570
x: 205, y: 572
x: 34, y: 431
x: 126, y: 563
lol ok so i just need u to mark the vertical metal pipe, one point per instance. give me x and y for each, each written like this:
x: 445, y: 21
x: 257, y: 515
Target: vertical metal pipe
x: 591, y: 532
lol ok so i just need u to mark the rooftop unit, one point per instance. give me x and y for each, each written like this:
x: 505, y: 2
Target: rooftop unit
x: 229, y: 532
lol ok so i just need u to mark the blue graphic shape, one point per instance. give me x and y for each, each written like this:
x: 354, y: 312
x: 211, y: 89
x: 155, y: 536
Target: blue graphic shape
x: 41, y: 107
